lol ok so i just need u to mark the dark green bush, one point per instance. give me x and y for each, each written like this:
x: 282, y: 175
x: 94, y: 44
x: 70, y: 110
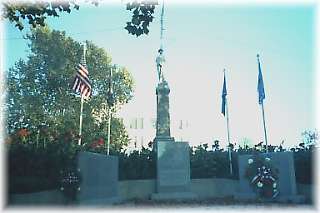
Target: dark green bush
x: 137, y: 165
x: 303, y: 163
x: 31, y: 167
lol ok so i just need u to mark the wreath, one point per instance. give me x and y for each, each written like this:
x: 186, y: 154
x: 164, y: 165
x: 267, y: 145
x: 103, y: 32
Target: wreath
x: 70, y: 183
x: 262, y: 176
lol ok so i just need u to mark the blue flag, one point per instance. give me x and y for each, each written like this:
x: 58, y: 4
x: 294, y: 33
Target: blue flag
x: 224, y: 95
x: 260, y: 84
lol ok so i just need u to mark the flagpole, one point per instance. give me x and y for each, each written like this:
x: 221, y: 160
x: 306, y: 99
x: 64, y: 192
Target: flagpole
x: 110, y: 101
x: 228, y: 131
x: 261, y: 98
x: 264, y: 127
x: 109, y: 129
x: 80, y: 126
x: 82, y: 97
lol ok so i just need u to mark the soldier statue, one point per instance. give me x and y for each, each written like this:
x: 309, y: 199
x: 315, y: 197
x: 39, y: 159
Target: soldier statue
x: 160, y: 61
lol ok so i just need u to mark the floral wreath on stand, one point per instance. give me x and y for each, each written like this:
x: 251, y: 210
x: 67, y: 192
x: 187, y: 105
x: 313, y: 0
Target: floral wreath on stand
x: 70, y: 183
x: 262, y: 176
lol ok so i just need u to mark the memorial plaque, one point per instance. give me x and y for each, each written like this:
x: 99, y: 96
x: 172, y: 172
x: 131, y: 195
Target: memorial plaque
x: 99, y: 178
x: 173, y: 165
x: 180, y: 178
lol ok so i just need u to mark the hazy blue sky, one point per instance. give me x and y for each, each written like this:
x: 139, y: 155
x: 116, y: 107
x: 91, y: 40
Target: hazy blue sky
x: 201, y: 40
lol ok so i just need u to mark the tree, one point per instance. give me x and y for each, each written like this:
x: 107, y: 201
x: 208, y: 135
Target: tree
x: 36, y: 13
x: 141, y: 18
x: 40, y: 94
x: 309, y: 137
x: 246, y: 143
x: 216, y: 146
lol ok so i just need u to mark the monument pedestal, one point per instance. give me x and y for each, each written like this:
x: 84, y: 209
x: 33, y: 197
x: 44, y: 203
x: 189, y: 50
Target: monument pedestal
x: 173, y: 158
x: 283, y: 162
x: 99, y: 184
x: 163, y: 115
x: 177, y: 196
x: 173, y: 171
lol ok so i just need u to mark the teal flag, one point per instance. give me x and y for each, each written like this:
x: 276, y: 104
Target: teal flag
x: 260, y: 84
x: 224, y: 95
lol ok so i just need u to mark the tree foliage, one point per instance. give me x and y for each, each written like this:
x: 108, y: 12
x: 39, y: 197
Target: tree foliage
x: 309, y: 137
x: 141, y: 18
x: 35, y: 13
x: 40, y: 94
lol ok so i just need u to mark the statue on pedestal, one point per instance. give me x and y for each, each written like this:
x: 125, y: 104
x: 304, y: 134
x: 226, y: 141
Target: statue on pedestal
x: 160, y: 61
x: 162, y: 92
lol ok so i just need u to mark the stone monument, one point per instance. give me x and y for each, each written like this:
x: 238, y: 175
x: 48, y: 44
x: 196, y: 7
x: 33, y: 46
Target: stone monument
x: 173, y: 158
x: 99, y: 185
x: 163, y: 115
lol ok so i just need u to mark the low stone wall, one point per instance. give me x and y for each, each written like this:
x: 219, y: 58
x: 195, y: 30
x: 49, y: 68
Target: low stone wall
x: 203, y: 188
x: 47, y: 198
x: 214, y: 187
x: 306, y: 190
x: 142, y: 189
x: 136, y: 189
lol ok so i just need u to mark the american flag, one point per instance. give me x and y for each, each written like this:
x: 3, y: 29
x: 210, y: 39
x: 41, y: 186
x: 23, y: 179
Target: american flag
x: 81, y: 81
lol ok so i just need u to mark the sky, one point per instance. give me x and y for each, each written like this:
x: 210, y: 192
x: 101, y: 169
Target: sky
x: 200, y: 40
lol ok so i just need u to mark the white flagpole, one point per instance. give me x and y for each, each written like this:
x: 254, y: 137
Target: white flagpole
x: 82, y: 97
x: 228, y: 132
x: 110, y: 102
x: 109, y: 129
x: 264, y: 127
x: 262, y: 107
x: 80, y: 126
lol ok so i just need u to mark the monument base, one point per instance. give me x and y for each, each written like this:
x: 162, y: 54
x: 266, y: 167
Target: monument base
x: 100, y: 202
x: 160, y: 139
x: 173, y: 171
x: 163, y: 138
x: 174, y: 196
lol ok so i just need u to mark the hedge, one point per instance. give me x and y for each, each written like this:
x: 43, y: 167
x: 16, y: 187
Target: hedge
x: 32, y: 169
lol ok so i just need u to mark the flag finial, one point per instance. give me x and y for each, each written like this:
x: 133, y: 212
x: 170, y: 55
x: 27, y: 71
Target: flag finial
x: 83, y: 60
x: 84, y: 45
